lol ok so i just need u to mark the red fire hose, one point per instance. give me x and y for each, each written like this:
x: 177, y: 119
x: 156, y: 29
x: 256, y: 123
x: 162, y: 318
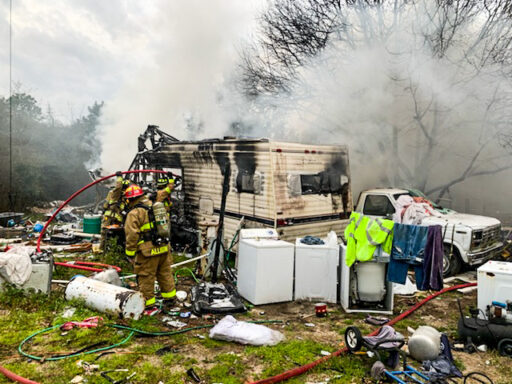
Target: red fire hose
x: 14, y: 377
x: 300, y: 370
x: 80, y: 191
x: 83, y: 265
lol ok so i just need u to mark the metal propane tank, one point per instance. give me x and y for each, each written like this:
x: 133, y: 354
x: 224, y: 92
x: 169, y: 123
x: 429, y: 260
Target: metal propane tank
x: 425, y: 343
x: 105, y: 297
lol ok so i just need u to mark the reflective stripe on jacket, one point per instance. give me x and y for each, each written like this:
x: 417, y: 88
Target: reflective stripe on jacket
x: 364, y: 234
x: 164, y: 195
x: 114, y: 204
x: 137, y: 229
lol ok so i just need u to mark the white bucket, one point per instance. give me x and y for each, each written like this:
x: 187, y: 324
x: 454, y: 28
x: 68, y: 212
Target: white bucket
x: 105, y: 297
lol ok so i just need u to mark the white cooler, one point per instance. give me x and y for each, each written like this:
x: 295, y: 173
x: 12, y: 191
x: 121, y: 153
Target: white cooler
x: 316, y: 272
x: 265, y: 267
x: 494, y: 283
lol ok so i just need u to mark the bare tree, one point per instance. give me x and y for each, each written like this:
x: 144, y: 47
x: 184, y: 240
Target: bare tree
x: 441, y: 71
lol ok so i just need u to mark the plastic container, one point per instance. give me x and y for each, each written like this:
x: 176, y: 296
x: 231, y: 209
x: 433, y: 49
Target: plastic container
x: 92, y: 224
x: 494, y: 284
x: 6, y: 216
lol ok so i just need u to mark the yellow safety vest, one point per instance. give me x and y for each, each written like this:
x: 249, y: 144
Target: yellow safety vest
x: 364, y: 234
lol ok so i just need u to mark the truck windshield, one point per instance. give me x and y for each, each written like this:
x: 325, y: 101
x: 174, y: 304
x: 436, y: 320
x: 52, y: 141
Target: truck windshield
x: 418, y: 193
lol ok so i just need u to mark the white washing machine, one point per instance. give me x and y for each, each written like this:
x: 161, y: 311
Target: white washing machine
x: 316, y: 272
x: 494, y: 284
x: 265, y: 267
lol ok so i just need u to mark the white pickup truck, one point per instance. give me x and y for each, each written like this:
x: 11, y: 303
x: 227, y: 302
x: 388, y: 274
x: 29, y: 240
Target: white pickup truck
x: 468, y: 239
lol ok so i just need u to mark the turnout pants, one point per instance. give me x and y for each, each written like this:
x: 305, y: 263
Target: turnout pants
x: 149, y: 269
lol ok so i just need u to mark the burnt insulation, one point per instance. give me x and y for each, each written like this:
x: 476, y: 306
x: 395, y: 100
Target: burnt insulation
x: 246, y: 163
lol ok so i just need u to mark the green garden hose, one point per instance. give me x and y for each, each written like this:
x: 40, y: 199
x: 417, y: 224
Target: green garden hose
x: 187, y: 270
x: 118, y: 326
x: 20, y: 347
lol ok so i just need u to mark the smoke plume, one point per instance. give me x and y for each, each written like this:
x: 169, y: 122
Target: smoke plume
x: 184, y: 88
x: 419, y: 91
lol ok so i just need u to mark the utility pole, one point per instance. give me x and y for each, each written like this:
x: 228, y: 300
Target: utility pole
x: 11, y: 194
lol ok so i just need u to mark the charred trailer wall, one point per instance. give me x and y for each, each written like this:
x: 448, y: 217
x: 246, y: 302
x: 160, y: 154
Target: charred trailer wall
x: 269, y: 186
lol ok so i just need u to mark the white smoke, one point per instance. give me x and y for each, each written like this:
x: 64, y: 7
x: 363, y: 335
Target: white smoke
x: 381, y: 75
x: 183, y: 87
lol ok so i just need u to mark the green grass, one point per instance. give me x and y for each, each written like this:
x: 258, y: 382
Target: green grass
x: 286, y: 355
x: 229, y: 369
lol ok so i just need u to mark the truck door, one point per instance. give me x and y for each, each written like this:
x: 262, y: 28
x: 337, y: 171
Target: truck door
x: 378, y: 205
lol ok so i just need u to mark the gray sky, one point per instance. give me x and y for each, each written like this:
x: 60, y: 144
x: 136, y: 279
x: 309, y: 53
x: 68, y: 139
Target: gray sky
x: 69, y: 53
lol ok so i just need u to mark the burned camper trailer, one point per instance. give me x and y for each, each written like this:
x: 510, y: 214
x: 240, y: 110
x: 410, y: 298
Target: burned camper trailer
x: 297, y: 189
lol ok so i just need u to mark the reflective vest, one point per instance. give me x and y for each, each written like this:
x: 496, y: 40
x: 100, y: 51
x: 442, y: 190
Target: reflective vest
x: 364, y: 234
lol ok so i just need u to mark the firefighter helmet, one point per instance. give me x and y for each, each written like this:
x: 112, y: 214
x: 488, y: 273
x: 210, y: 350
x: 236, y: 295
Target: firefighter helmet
x: 162, y: 181
x: 133, y: 191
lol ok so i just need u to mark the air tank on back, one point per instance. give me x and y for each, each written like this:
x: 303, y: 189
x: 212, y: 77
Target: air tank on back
x: 161, y: 219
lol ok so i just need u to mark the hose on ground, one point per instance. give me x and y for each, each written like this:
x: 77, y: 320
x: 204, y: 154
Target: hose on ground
x: 14, y: 377
x: 55, y: 358
x: 186, y: 270
x: 133, y: 331
x: 80, y: 191
x: 300, y: 370
x: 275, y: 379
x: 87, y: 266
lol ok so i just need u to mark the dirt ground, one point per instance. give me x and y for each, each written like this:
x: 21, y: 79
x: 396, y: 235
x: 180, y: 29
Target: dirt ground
x: 441, y: 313
x: 308, y: 338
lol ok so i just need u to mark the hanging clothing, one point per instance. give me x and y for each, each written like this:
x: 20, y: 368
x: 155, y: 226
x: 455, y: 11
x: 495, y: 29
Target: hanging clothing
x: 364, y: 234
x: 409, y: 242
x: 433, y: 261
x: 408, y: 250
x: 412, y: 210
x: 422, y: 248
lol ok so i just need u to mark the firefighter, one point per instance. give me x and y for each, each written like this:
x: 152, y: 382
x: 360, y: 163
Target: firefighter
x: 113, y: 207
x: 165, y: 185
x: 152, y: 254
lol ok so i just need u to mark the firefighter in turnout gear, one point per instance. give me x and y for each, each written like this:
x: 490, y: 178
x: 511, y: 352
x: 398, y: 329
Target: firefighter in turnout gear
x: 152, y: 253
x: 165, y: 185
x: 113, y: 208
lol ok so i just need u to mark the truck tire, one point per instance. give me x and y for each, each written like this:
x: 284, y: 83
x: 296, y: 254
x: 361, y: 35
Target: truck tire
x: 451, y: 264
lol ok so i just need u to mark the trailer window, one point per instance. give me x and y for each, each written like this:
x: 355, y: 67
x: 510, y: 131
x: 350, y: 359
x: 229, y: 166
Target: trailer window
x: 378, y: 205
x: 248, y: 182
x: 310, y: 184
x: 322, y: 183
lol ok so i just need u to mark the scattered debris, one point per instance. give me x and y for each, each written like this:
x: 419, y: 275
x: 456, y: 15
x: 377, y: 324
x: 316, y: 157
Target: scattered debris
x: 175, y: 323
x: 193, y: 375
x: 181, y: 295
x: 168, y: 348
x: 406, y: 289
x: 374, y: 320
x: 91, y: 322
x: 230, y: 329
x: 311, y: 325
x: 77, y: 379
x: 106, y: 375
x: 88, y: 368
